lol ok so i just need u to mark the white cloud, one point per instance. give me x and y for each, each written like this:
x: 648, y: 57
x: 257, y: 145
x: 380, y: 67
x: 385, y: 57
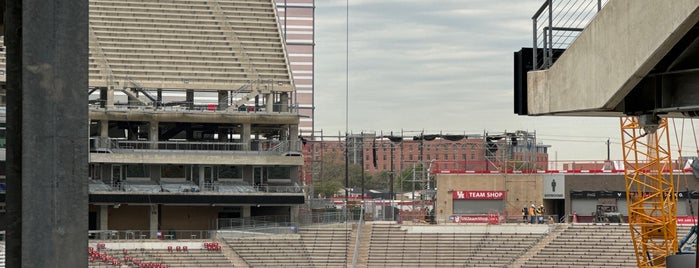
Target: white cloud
x: 436, y: 66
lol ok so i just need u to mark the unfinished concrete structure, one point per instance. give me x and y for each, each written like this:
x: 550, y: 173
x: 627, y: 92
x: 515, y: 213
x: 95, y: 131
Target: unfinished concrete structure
x: 191, y: 113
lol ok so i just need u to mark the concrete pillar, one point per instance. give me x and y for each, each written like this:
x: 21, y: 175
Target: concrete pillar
x: 294, y: 138
x: 107, y: 97
x: 284, y: 100
x: 47, y: 148
x: 245, y: 136
x: 104, y: 128
x: 269, y: 101
x: 222, y: 100
x: 189, y: 98
x: 104, y: 217
x: 153, y: 134
x: 202, y: 180
x: 245, y: 213
x: 153, y: 220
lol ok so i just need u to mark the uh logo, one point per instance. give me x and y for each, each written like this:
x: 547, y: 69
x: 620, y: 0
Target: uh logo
x: 460, y: 194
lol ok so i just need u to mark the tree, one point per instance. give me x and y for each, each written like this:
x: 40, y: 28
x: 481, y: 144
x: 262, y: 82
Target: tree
x: 327, y: 188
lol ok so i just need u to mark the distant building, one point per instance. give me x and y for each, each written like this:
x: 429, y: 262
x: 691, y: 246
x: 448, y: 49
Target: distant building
x: 297, y: 21
x: 474, y: 152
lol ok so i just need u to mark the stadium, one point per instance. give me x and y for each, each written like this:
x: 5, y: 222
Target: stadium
x: 197, y: 158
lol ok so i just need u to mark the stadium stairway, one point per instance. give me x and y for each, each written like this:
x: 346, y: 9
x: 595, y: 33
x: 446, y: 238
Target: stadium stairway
x: 364, y: 244
x: 558, y: 229
x: 233, y: 256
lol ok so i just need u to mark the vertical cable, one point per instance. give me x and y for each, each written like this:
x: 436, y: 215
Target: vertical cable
x: 347, y: 129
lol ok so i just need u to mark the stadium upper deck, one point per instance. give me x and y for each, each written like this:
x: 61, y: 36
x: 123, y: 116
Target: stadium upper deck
x: 191, y: 114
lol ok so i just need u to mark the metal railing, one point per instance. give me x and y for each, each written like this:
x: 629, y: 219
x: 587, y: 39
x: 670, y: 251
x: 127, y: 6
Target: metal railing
x: 147, y: 234
x: 263, y: 147
x: 125, y: 186
x: 556, y: 25
x: 180, y: 106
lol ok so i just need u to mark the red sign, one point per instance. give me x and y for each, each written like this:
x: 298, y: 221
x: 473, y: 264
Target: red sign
x: 474, y: 218
x: 686, y: 220
x: 478, y: 195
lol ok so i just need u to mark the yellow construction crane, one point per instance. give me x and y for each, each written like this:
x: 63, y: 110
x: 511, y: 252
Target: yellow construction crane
x: 650, y: 189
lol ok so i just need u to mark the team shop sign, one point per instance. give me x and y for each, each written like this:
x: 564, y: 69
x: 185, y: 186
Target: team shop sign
x: 478, y: 195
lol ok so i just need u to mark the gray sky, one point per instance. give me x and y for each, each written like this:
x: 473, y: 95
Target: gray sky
x: 437, y: 66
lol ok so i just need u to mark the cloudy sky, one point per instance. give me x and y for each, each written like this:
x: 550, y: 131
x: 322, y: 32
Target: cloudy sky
x: 437, y: 66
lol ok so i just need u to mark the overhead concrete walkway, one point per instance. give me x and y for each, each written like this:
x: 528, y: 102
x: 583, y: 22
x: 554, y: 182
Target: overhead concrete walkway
x: 620, y: 46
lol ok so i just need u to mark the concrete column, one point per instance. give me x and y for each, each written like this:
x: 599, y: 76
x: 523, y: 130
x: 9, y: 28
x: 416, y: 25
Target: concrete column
x: 47, y: 149
x: 269, y: 99
x: 294, y: 138
x: 245, y: 213
x: 245, y: 136
x: 104, y: 217
x: 104, y: 128
x: 153, y: 134
x: 222, y: 100
x: 284, y: 100
x: 202, y: 180
x: 153, y: 220
x: 107, y: 97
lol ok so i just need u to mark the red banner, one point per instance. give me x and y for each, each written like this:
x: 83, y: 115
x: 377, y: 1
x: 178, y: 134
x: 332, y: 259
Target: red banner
x: 686, y: 220
x: 475, y: 218
x: 478, y: 195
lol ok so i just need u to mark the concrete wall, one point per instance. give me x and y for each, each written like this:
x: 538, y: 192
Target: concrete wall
x: 625, y: 40
x: 616, y: 182
x: 127, y: 217
x: 521, y: 190
x: 187, y: 217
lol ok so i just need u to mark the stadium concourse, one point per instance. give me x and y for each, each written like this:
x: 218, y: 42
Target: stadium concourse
x: 383, y: 244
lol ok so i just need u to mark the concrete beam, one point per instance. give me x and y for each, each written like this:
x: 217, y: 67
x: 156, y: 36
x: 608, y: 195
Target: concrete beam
x: 47, y: 197
x: 164, y: 116
x: 196, y: 158
x: 609, y: 58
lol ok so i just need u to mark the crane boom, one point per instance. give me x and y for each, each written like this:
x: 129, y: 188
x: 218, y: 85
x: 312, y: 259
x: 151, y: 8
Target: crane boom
x: 650, y: 189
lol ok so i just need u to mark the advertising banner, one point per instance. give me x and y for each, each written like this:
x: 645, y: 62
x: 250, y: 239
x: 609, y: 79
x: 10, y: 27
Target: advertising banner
x: 478, y: 195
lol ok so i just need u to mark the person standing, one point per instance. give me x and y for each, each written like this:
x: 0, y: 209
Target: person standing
x: 540, y: 214
x: 532, y: 218
x: 525, y: 214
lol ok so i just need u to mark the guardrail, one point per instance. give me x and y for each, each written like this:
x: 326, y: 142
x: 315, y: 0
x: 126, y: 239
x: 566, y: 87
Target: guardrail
x: 182, y: 106
x: 261, y: 147
x: 556, y: 25
x: 147, y: 234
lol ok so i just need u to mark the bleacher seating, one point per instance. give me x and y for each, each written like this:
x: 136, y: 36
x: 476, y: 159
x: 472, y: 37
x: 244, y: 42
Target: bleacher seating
x: 327, y: 246
x: 195, y: 44
x: 587, y: 245
x: 162, y: 258
x: 271, y: 251
x: 392, y: 247
x: 578, y: 245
